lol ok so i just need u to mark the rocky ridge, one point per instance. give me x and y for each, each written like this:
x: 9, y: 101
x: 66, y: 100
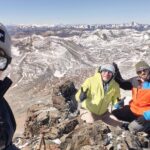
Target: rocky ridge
x: 53, y: 126
x: 43, y: 58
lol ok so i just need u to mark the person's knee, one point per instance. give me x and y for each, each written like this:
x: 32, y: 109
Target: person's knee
x: 116, y: 113
x: 86, y: 116
x: 135, y: 127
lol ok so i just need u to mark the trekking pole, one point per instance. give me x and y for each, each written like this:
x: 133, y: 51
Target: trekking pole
x: 39, y: 147
x: 41, y: 141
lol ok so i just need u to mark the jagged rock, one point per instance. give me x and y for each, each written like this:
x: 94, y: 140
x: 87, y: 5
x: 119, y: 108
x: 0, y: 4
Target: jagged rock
x: 61, y: 129
x: 44, y: 117
x: 87, y: 134
x: 58, y: 101
x: 55, y: 123
x: 67, y: 89
x: 74, y: 135
x: 64, y: 96
x: 100, y: 136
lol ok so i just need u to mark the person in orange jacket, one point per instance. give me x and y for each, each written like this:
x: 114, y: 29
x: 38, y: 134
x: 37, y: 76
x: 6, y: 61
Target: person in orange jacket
x: 138, y: 110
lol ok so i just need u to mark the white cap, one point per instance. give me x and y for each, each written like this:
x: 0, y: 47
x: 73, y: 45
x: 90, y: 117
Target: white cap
x: 108, y: 67
x: 5, y: 40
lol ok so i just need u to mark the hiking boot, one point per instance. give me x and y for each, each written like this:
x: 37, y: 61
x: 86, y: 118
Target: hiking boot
x: 125, y: 126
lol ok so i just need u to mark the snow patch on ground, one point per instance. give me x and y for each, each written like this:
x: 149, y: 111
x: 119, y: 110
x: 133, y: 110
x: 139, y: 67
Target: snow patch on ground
x: 15, y: 51
x: 58, y: 74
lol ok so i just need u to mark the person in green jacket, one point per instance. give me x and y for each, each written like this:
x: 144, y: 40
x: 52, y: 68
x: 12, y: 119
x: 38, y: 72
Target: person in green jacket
x: 97, y: 93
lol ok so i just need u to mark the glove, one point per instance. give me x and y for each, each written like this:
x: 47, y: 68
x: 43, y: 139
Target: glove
x: 83, y: 95
x: 117, y: 75
x: 116, y: 67
x: 99, y: 69
x: 120, y: 103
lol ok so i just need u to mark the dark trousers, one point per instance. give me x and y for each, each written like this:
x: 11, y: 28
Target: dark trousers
x: 124, y: 114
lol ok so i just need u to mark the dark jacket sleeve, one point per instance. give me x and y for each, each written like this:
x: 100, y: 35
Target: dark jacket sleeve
x: 8, y: 120
x: 124, y: 84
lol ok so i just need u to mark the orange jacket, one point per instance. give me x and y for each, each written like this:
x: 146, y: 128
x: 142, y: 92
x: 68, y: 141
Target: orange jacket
x: 140, y: 101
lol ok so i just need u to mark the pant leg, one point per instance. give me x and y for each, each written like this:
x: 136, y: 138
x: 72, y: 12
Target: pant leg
x: 12, y: 147
x: 89, y: 117
x: 134, y: 126
x: 106, y: 118
x: 124, y: 114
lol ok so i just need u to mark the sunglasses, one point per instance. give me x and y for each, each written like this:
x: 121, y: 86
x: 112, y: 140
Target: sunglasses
x: 4, y: 60
x: 141, y: 71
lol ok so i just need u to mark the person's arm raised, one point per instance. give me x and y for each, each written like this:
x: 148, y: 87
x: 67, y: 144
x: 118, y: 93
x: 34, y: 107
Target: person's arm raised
x: 124, y: 84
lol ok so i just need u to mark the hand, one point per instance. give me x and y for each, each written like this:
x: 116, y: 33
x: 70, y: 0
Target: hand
x: 116, y: 67
x: 99, y: 69
x: 117, y: 72
x: 141, y: 120
x: 83, y: 95
x: 120, y: 103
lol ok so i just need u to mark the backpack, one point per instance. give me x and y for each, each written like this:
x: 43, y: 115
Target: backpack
x: 68, y: 91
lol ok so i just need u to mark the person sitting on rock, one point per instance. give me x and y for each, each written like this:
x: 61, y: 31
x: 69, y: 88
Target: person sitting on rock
x: 7, y: 120
x: 97, y: 93
x: 138, y: 110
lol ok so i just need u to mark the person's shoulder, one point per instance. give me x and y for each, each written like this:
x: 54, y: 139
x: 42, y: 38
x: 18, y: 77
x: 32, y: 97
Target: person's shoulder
x: 134, y: 80
x: 95, y: 77
x: 115, y: 83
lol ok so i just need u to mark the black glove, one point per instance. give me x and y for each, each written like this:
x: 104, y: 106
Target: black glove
x: 83, y: 95
x: 117, y: 72
x: 99, y: 69
x: 141, y: 120
x: 116, y: 67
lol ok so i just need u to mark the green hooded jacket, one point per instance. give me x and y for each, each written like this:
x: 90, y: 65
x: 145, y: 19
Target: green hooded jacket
x: 97, y: 102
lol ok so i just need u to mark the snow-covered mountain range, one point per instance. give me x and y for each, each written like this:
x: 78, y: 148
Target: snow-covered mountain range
x: 38, y: 28
x: 43, y: 56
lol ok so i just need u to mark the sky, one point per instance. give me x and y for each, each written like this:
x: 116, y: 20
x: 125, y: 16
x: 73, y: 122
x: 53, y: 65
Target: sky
x: 49, y: 12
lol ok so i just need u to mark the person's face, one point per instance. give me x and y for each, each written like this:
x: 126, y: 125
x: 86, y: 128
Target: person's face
x: 106, y: 75
x: 144, y: 74
x: 4, y: 60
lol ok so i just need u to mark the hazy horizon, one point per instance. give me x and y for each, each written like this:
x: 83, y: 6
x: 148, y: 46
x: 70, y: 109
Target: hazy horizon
x: 49, y: 12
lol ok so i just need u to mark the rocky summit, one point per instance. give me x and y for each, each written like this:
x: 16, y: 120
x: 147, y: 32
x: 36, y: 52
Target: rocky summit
x: 45, y: 57
x: 54, y: 127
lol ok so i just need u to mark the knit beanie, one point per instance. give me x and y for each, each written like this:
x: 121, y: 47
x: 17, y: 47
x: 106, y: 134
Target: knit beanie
x: 141, y: 65
x: 108, y: 67
x: 5, y: 40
